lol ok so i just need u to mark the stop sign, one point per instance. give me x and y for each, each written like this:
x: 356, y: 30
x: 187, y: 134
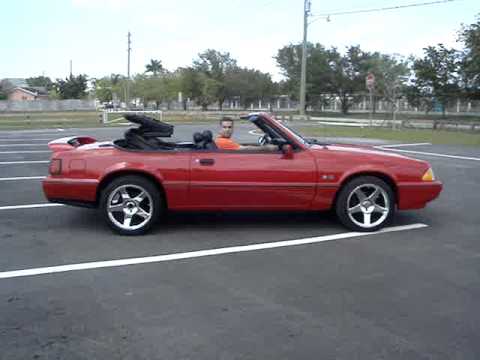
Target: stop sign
x: 370, y: 81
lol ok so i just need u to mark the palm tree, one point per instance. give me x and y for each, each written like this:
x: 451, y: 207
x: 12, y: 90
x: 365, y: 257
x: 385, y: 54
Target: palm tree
x: 115, y: 78
x: 154, y: 67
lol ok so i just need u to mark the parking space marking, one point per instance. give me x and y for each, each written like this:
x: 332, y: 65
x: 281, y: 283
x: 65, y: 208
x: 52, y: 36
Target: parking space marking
x: 197, y: 254
x: 26, y: 152
x: 23, y: 178
x: 24, y: 162
x: 432, y: 154
x: 18, y: 145
x: 402, y: 145
x: 37, y: 131
x: 29, y: 206
x: 23, y: 139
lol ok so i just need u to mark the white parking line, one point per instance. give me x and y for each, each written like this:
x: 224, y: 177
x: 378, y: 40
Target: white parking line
x: 25, y: 152
x: 196, y: 254
x: 36, y: 131
x: 18, y: 145
x: 24, y: 162
x: 401, y: 145
x: 23, y: 139
x: 29, y: 206
x: 23, y: 178
x: 432, y: 154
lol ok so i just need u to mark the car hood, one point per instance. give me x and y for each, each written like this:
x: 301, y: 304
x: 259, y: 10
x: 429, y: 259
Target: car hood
x: 368, y: 151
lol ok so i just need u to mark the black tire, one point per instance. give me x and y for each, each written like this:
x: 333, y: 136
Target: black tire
x: 365, y: 183
x: 132, y: 183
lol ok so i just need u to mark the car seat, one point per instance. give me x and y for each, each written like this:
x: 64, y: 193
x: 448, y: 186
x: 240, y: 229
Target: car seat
x: 204, y: 140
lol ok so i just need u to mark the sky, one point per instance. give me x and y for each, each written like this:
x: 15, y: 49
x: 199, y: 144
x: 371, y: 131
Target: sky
x: 41, y: 37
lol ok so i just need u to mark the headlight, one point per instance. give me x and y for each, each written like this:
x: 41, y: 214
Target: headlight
x: 429, y: 175
x: 55, y: 167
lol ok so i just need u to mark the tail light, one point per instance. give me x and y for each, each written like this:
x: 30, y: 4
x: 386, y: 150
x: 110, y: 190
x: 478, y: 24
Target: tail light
x: 55, y: 167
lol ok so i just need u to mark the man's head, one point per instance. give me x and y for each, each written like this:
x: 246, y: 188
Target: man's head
x: 226, y: 125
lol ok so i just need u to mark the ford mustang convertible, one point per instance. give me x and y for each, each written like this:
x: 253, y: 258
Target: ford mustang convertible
x: 133, y: 180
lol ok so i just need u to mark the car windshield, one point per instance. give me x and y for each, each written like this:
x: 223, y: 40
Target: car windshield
x: 295, y: 134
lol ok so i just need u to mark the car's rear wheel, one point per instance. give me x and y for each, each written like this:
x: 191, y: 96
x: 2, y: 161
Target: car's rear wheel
x: 366, y: 203
x: 131, y: 205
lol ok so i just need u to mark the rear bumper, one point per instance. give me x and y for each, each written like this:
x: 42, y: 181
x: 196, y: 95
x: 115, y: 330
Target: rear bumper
x: 70, y: 191
x: 417, y: 195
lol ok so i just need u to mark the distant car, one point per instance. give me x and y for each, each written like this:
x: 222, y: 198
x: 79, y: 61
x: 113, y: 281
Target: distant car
x: 135, y: 179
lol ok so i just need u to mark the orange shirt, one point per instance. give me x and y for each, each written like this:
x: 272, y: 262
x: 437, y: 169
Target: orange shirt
x: 226, y: 144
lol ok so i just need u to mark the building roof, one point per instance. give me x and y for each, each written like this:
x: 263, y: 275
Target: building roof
x: 40, y: 90
x: 30, y: 91
x: 15, y: 82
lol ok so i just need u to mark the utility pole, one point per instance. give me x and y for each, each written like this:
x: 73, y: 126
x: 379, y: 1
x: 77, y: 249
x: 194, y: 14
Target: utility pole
x: 71, y: 73
x: 127, y: 95
x: 303, y: 79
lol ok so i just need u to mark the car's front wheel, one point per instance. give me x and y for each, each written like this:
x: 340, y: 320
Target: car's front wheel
x: 366, y: 203
x: 131, y: 205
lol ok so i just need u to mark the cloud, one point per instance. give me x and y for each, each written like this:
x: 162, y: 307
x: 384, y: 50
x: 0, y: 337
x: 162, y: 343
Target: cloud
x: 112, y: 4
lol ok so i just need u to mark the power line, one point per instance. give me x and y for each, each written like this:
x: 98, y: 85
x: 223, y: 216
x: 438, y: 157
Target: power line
x: 398, y: 7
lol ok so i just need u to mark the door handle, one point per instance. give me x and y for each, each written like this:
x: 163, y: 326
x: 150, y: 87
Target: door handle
x: 206, y: 162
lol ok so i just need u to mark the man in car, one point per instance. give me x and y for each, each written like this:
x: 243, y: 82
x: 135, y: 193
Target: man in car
x: 224, y: 140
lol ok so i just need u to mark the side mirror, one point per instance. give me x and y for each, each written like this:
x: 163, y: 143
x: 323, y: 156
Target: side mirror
x: 287, y: 150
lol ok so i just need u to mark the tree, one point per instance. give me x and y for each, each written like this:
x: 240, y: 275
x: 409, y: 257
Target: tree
x: 118, y: 86
x: 189, y: 84
x: 73, y: 87
x: 209, y: 91
x: 103, y: 89
x: 347, y: 77
x: 155, y: 91
x: 214, y: 65
x: 248, y: 85
x: 436, y: 74
x: 40, y: 81
x: 158, y: 89
x: 53, y: 94
x: 470, y: 64
x: 329, y: 73
x: 155, y: 67
x: 173, y: 86
x: 289, y: 61
x: 391, y: 76
x: 139, y: 88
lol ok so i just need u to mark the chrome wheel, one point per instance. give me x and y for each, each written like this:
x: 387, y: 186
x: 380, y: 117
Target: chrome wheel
x: 368, y: 206
x: 130, y: 207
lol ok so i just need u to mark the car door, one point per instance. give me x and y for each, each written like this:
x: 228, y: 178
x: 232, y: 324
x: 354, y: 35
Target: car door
x: 222, y: 179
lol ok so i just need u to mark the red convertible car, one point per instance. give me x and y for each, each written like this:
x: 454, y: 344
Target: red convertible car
x: 135, y: 179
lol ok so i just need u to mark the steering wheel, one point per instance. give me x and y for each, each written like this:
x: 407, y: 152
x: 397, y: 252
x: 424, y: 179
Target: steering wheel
x: 264, y: 140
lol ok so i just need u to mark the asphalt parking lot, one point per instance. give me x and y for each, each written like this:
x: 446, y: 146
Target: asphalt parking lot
x: 408, y: 294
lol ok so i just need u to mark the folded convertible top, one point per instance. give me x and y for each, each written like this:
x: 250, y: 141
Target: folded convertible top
x: 150, y: 127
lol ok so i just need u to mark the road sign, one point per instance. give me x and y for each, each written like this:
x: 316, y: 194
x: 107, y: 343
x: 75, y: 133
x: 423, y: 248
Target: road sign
x: 370, y: 81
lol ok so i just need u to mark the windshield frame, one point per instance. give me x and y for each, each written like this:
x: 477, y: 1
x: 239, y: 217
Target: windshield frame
x: 299, y: 138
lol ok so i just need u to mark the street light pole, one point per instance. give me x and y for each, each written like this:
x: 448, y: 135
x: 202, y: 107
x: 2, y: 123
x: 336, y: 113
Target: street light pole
x: 303, y: 78
x: 127, y: 95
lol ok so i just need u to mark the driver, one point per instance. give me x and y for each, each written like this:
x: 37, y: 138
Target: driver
x: 224, y: 140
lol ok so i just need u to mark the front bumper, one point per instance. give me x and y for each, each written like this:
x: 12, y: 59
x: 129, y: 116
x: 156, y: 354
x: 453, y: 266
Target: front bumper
x: 416, y: 195
x: 70, y: 191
